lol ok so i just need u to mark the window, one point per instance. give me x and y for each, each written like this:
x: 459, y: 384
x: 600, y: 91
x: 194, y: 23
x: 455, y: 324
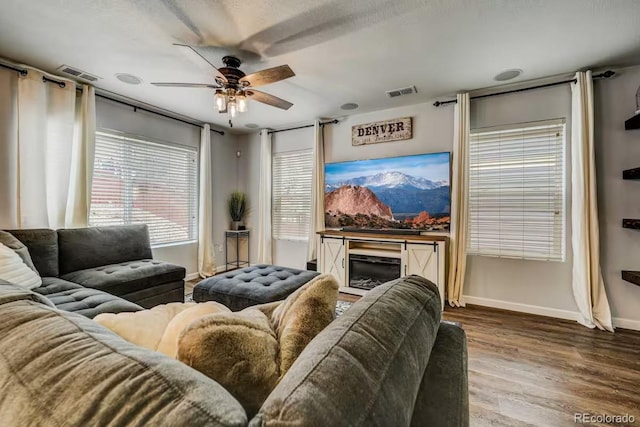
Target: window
x: 516, y: 192
x: 138, y: 181
x: 291, y: 204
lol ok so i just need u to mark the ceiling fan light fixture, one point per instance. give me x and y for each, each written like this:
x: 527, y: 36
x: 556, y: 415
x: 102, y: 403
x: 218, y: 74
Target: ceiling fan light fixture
x: 232, y: 108
x: 243, y: 105
x: 221, y: 100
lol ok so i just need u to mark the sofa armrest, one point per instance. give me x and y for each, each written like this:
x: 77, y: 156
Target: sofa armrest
x: 443, y: 399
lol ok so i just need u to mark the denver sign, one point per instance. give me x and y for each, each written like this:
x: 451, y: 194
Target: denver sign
x: 388, y: 130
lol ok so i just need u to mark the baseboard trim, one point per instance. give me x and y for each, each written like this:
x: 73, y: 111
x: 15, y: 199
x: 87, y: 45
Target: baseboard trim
x: 522, y: 308
x: 544, y: 311
x: 192, y: 276
x: 634, y: 325
x: 196, y: 275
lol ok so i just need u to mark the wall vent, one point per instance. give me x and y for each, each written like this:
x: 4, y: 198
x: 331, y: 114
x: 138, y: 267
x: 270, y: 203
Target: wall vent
x: 400, y: 92
x: 79, y: 74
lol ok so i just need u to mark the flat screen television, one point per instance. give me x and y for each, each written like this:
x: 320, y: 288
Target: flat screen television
x: 395, y: 193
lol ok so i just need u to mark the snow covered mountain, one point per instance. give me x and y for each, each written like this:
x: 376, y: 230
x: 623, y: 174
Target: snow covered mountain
x: 389, y: 180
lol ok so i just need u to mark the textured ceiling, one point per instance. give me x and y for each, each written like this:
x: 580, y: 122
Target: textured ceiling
x: 341, y: 50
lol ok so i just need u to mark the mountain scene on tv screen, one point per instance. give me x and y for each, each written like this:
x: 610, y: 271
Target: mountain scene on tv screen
x: 389, y: 198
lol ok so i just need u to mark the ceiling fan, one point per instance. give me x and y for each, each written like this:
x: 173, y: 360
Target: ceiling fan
x: 234, y: 88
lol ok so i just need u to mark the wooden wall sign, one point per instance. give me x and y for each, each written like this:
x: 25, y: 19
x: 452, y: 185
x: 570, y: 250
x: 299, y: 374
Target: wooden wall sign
x: 388, y: 130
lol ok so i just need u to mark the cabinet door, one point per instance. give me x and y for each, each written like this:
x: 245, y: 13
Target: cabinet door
x: 333, y: 259
x: 421, y: 260
x: 426, y: 261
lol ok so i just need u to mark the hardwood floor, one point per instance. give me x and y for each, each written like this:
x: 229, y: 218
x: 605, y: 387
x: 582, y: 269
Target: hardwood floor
x: 540, y: 371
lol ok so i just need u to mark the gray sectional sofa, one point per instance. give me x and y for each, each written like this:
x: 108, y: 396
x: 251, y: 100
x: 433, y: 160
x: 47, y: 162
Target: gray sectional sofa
x: 387, y: 361
x: 101, y: 269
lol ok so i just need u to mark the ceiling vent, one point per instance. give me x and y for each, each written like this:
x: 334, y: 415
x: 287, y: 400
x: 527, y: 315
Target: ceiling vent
x: 400, y: 92
x: 79, y: 74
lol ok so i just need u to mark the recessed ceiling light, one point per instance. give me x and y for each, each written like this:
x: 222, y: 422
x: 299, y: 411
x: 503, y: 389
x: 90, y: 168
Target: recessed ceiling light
x: 349, y: 106
x: 508, y: 75
x: 251, y: 126
x: 129, y: 78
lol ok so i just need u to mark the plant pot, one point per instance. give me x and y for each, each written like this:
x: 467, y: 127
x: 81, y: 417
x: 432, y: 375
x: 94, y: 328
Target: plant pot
x: 235, y: 225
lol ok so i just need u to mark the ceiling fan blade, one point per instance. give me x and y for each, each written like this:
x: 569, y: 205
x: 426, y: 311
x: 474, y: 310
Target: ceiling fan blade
x: 270, y: 75
x: 265, y: 98
x: 196, y: 85
x: 219, y: 74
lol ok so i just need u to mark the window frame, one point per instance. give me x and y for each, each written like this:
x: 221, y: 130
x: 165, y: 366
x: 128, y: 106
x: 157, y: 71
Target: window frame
x: 194, y: 209
x: 564, y: 194
x: 275, y: 236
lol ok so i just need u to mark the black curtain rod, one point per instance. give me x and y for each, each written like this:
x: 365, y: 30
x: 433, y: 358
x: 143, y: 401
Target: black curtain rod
x: 21, y: 71
x: 136, y: 108
x: 604, y: 75
x: 332, y: 122
x: 62, y: 84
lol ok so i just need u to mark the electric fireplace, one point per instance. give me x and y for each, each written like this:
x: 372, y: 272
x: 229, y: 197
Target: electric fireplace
x: 367, y: 272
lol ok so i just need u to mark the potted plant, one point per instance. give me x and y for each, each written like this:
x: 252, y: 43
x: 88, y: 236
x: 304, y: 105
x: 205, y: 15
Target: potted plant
x: 237, y: 209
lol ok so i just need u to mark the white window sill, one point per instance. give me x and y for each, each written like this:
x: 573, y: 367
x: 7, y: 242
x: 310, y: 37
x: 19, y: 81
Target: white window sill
x: 286, y: 239
x: 169, y: 245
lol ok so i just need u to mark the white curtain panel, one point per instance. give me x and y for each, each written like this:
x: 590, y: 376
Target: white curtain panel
x: 8, y: 149
x: 264, y: 200
x: 46, y: 117
x: 317, y: 191
x: 588, y: 284
x: 82, y: 157
x: 459, y: 200
x: 206, y: 250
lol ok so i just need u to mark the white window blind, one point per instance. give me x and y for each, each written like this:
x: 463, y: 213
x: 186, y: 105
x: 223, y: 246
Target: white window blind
x: 137, y: 181
x: 291, y: 200
x: 517, y: 191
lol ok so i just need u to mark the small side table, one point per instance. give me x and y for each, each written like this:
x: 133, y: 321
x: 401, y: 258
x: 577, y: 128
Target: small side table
x: 238, y: 236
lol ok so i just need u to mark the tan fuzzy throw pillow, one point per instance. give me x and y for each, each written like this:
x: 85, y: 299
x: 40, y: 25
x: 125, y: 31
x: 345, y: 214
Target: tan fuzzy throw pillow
x: 248, y: 351
x: 302, y: 316
x: 238, y: 350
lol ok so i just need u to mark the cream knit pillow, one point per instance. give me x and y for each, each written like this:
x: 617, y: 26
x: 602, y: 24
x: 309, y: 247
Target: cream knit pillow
x: 14, y: 270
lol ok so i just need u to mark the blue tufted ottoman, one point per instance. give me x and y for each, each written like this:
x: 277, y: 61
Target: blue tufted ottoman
x: 258, y: 284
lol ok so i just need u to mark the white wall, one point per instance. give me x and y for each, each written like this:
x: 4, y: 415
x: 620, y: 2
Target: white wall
x: 286, y: 253
x: 248, y: 181
x: 535, y: 283
x: 618, y: 149
x: 112, y: 115
x: 432, y: 132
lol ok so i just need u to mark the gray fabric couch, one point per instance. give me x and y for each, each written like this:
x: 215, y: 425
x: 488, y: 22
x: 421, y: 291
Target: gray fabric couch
x: 387, y: 361
x: 101, y: 269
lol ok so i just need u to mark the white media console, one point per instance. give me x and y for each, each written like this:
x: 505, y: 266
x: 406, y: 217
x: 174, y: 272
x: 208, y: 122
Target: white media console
x: 360, y: 261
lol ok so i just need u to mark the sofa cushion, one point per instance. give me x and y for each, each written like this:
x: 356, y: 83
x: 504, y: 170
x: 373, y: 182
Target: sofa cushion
x: 10, y: 292
x: 127, y: 277
x: 85, y: 248
x: 43, y: 248
x: 10, y: 241
x: 87, y: 302
x: 60, y: 368
x: 14, y: 270
x: 366, y: 367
